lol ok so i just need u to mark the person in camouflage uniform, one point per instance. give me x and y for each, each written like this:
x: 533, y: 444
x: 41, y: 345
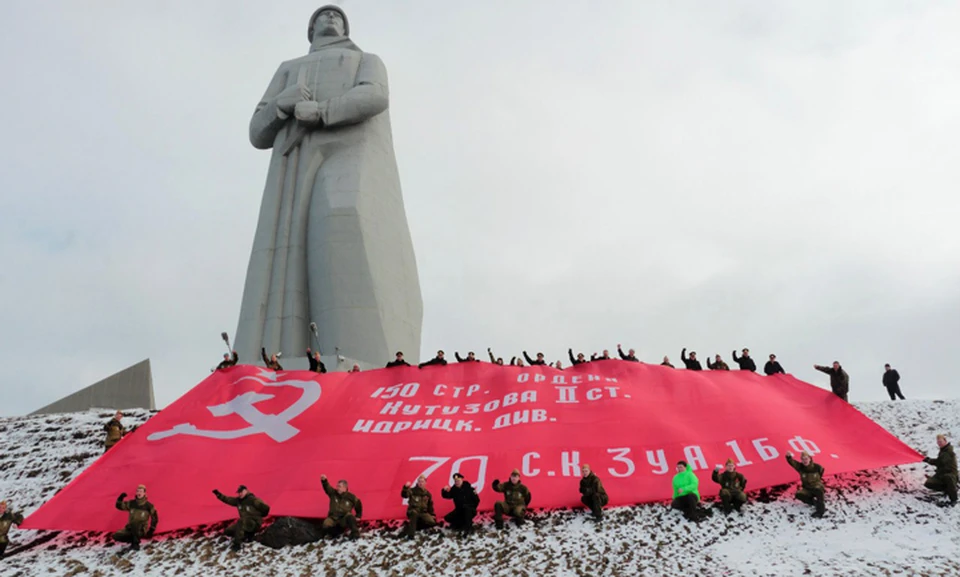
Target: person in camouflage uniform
x: 944, y: 480
x: 7, y: 518
x: 252, y: 511
x: 419, y: 506
x: 342, y: 505
x: 811, y: 489
x: 718, y: 365
x: 115, y: 431
x: 516, y: 499
x: 592, y: 493
x: 271, y: 362
x: 141, y: 521
x: 839, y: 379
x: 228, y: 361
x: 732, y: 486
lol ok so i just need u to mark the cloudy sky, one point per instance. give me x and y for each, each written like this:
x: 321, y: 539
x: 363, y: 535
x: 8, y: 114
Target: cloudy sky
x: 777, y: 175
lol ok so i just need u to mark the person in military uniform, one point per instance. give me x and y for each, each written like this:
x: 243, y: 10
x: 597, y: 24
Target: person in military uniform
x: 419, y: 506
x: 773, y: 367
x: 398, y: 361
x: 631, y: 355
x: 718, y: 365
x: 141, y: 521
x: 115, y: 431
x: 666, y: 363
x: 592, y: 493
x: 437, y: 360
x: 516, y: 499
x: 316, y: 365
x: 465, y: 503
x: 228, y: 361
x: 342, y: 505
x: 271, y: 362
x: 811, y: 489
x: 944, y: 480
x: 470, y: 358
x: 252, y: 511
x: 7, y: 518
x: 732, y: 486
x: 839, y: 379
x: 690, y: 362
x: 746, y: 361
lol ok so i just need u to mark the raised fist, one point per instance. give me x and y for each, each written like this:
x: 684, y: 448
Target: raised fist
x: 323, y: 477
x: 216, y: 492
x: 790, y: 454
x: 494, y: 484
x: 446, y: 488
x: 406, y: 485
x: 719, y: 467
x: 122, y: 497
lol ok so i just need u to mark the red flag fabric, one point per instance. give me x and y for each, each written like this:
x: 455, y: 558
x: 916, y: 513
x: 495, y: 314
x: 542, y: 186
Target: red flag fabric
x: 277, y: 432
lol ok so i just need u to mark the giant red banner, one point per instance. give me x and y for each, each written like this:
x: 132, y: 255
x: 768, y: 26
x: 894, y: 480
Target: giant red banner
x: 278, y: 432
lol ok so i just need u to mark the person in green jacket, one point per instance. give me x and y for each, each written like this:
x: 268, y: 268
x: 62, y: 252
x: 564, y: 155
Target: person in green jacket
x: 686, y: 496
x: 592, y: 493
x: 142, y: 519
x: 7, y: 518
x: 944, y: 480
x: 811, y: 489
x: 252, y: 511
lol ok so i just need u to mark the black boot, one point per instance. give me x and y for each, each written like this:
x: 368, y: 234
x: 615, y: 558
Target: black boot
x: 821, y: 508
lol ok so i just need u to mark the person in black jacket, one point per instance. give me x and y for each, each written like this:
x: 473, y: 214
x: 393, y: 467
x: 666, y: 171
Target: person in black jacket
x: 531, y: 362
x: 272, y: 362
x: 891, y: 380
x: 605, y: 356
x: 228, y: 361
x: 316, y: 365
x: 579, y: 360
x: 471, y: 357
x: 398, y: 362
x: 630, y: 356
x: 839, y: 379
x: 692, y: 363
x: 493, y: 359
x: 746, y: 362
x: 666, y: 363
x: 437, y: 360
x: 773, y: 367
x: 465, y: 503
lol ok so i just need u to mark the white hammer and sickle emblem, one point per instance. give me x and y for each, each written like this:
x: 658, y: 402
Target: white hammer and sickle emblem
x: 277, y: 427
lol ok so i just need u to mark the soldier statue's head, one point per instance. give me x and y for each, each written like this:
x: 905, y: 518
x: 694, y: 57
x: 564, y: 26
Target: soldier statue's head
x: 141, y: 492
x: 457, y: 479
x: 242, y: 491
x: 328, y: 20
x: 730, y: 466
x: 341, y: 486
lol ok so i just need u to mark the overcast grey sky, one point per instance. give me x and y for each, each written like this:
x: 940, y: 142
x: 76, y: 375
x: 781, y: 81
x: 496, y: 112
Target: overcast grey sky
x: 777, y: 175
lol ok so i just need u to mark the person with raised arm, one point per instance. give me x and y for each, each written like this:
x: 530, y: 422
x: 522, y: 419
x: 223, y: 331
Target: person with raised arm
x: 419, y: 506
x: 691, y: 362
x: 718, y: 364
x: 839, y: 379
x: 252, y: 510
x: 470, y: 358
x: 732, y: 487
x: 576, y: 360
x: 516, y: 499
x: 811, y: 489
x: 271, y: 362
x: 531, y: 362
x: 437, y: 360
x: 465, y: 503
x: 142, y: 519
x: 343, y: 504
x: 745, y: 361
x: 228, y: 361
x: 316, y: 364
x: 630, y: 356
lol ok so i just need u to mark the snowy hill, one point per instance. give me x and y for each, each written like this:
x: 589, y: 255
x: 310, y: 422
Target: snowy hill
x: 875, y: 525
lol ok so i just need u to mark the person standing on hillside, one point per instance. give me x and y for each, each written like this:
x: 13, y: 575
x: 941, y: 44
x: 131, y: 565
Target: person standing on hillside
x: 746, y: 361
x: 839, y: 379
x: 465, y: 503
x: 7, y: 518
x: 578, y: 360
x: 718, y: 364
x: 604, y: 356
x: 316, y: 364
x: 252, y: 511
x: 398, y: 361
x: 115, y: 431
x: 272, y: 362
x: 811, y: 489
x: 142, y: 519
x: 891, y: 380
x: 228, y: 361
x: 516, y: 499
x: 471, y: 357
x: 592, y: 493
x: 773, y: 367
x: 437, y: 360
x: 343, y: 504
x: 666, y: 363
x: 691, y: 362
x: 531, y: 362
x: 419, y: 506
x: 686, y: 496
x: 732, y: 486
x: 630, y: 356
x: 944, y: 480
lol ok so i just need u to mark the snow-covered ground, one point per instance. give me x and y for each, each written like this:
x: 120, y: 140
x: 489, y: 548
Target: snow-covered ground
x: 875, y: 525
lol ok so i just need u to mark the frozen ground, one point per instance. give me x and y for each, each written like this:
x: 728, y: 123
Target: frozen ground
x: 875, y: 525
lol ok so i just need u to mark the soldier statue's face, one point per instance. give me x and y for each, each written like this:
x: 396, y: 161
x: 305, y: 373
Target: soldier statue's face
x: 341, y: 487
x: 329, y: 23
x: 730, y: 467
x: 141, y: 492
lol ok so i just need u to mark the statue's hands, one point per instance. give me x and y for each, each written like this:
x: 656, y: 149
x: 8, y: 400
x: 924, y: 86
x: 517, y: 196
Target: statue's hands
x: 291, y: 95
x: 307, y: 112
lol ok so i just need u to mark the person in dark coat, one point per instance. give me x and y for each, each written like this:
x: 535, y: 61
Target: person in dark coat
x: 773, y: 367
x: 604, y: 356
x: 666, y: 363
x: 630, y: 356
x: 493, y: 359
x: 228, y: 361
x: 471, y: 357
x: 465, y: 503
x: 718, y: 364
x: 592, y: 493
x: 7, y: 519
x: 316, y: 365
x: 746, y: 361
x: 437, y: 360
x: 578, y: 360
x: 891, y: 380
x: 398, y: 361
x: 839, y: 380
x: 272, y: 362
x: 944, y: 480
x: 531, y: 362
x: 691, y: 362
x: 252, y: 510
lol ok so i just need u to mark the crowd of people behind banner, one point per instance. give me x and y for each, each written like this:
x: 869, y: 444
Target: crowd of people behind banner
x: 346, y: 509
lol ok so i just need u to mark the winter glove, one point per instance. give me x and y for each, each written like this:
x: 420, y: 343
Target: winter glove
x: 494, y: 484
x: 216, y: 492
x: 122, y: 497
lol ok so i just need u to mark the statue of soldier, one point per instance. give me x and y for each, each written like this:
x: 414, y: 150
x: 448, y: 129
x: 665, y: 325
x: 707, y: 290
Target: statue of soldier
x: 142, y: 519
x: 252, y: 511
x: 343, y: 504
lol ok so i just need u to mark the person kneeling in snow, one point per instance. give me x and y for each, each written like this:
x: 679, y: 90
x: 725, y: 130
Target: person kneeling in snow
x: 465, y: 503
x: 811, y: 489
x: 252, y: 511
x: 944, y: 480
x: 343, y: 504
x: 7, y: 518
x: 686, y: 497
x: 592, y: 493
x: 419, y: 506
x: 141, y: 522
x: 516, y: 499
x: 732, y: 486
